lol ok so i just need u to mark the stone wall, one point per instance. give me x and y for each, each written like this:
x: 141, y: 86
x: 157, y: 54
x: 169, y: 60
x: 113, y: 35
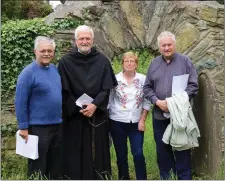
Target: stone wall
x: 8, y: 139
x: 199, y: 30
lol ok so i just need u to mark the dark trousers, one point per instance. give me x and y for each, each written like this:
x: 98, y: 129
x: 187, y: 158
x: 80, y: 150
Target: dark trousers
x: 169, y: 161
x: 119, y: 132
x: 48, y: 165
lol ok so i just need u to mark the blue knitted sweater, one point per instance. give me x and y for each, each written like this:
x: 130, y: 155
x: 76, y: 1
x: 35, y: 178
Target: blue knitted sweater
x: 38, y: 98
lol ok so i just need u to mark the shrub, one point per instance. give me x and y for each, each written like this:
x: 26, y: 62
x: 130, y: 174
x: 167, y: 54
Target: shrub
x: 17, y: 48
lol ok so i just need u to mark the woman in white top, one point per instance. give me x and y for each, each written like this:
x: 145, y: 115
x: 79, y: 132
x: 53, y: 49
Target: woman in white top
x: 127, y: 112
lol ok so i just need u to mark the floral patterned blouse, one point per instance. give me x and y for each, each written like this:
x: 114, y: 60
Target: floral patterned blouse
x: 126, y: 101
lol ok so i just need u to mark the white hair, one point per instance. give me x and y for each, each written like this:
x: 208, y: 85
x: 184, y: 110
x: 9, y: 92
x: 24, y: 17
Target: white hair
x: 83, y: 28
x: 166, y: 34
x: 40, y: 39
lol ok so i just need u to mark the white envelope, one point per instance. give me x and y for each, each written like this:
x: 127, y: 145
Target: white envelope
x: 29, y: 149
x: 84, y: 99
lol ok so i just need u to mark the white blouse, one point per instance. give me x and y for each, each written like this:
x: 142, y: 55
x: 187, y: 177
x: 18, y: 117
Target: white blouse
x: 126, y: 102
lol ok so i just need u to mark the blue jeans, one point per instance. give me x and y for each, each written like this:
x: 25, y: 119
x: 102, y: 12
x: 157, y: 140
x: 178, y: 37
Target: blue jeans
x: 179, y: 162
x: 119, y: 132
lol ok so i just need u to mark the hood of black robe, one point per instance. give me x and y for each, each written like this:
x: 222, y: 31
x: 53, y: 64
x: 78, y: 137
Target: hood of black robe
x: 75, y: 52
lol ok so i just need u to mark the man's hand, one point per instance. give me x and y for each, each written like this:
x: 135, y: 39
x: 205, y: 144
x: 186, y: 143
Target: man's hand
x: 162, y: 105
x: 89, y: 110
x: 141, y: 125
x: 24, y: 134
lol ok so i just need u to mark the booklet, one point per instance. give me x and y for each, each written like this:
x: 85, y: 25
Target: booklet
x: 29, y: 149
x: 84, y: 99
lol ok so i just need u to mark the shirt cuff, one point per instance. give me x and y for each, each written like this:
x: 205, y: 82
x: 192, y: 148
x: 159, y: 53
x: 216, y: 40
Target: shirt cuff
x: 154, y: 99
x: 146, y: 104
x: 24, y: 125
x: 96, y: 103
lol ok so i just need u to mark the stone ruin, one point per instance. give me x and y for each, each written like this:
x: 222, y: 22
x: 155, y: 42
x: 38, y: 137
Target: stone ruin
x: 199, y: 30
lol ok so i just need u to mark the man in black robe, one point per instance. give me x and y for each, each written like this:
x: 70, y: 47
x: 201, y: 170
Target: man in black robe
x: 86, y: 153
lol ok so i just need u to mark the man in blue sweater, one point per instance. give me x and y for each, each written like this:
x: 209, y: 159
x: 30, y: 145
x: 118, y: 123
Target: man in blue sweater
x: 38, y: 104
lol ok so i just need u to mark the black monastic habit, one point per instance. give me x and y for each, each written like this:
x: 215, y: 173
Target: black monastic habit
x: 86, y: 153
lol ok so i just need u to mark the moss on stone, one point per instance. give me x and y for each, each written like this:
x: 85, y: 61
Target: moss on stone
x: 134, y: 18
x: 187, y: 35
x: 208, y: 13
x: 114, y: 31
x: 9, y: 143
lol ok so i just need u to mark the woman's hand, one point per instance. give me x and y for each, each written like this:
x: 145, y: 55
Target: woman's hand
x: 141, y: 125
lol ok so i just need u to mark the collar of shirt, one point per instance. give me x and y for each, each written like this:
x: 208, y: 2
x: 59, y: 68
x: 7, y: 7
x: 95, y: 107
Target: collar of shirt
x: 41, y: 66
x: 82, y: 53
x: 172, y: 58
x: 121, y: 78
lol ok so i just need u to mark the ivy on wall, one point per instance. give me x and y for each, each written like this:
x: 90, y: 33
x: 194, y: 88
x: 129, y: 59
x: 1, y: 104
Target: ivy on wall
x: 17, y: 48
x: 67, y: 23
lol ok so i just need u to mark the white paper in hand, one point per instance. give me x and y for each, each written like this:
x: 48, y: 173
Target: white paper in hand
x: 84, y: 99
x: 29, y: 149
x: 179, y: 83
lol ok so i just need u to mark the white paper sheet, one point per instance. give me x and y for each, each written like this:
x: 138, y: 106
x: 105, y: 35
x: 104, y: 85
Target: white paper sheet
x: 179, y: 83
x: 29, y: 149
x: 84, y: 99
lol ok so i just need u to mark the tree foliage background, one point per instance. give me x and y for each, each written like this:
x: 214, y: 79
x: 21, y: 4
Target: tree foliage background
x: 24, y: 9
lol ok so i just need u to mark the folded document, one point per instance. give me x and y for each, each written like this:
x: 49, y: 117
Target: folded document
x: 29, y: 149
x: 84, y: 99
